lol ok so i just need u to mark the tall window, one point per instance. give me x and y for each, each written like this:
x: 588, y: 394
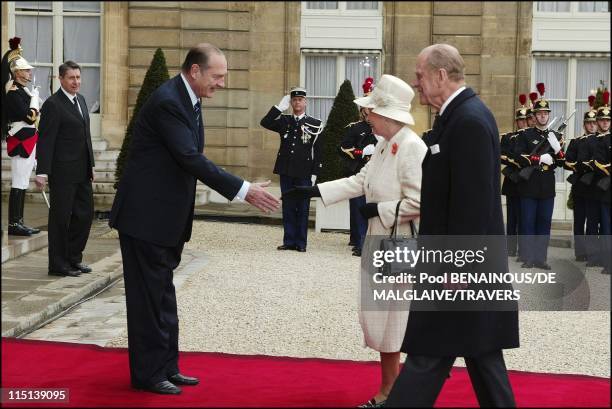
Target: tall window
x: 569, y: 81
x: 53, y: 32
x: 572, y: 6
x: 323, y: 75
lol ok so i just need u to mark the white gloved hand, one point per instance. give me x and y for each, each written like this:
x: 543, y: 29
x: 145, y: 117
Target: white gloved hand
x: 313, y: 179
x: 35, y: 91
x: 35, y: 102
x: 368, y: 150
x: 284, y: 103
x: 546, y: 159
x: 554, y: 143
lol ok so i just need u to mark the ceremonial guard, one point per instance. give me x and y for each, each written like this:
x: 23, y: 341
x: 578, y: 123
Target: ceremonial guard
x: 602, y: 165
x: 538, y: 152
x: 512, y: 178
x: 531, y: 122
x: 298, y: 162
x: 578, y: 190
x: 593, y: 195
x: 356, y: 149
x: 21, y: 107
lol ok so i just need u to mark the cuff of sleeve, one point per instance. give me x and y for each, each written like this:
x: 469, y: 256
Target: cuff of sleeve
x: 243, y: 191
x: 42, y: 175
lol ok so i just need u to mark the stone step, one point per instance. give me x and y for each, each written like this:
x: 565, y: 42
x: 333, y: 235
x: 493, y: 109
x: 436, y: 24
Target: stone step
x: 15, y: 246
x: 562, y: 225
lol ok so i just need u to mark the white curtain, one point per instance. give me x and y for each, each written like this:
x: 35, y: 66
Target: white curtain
x: 554, y: 6
x: 358, y: 68
x: 362, y: 5
x: 589, y: 74
x: 36, y: 37
x: 553, y: 73
x: 33, y: 5
x: 93, y: 6
x: 320, y: 85
x: 82, y: 45
x: 322, y: 5
x: 593, y: 6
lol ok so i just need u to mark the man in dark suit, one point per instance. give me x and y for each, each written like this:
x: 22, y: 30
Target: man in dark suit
x: 153, y: 212
x: 65, y: 158
x: 460, y: 195
x: 298, y: 162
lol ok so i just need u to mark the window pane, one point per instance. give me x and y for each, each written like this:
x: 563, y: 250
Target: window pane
x: 33, y: 5
x: 82, y: 39
x: 358, y: 68
x: 320, y: 82
x: 36, y: 37
x: 42, y: 77
x: 589, y: 75
x: 553, y: 73
x: 82, y: 6
x: 90, y: 88
x: 593, y: 6
x: 362, y: 5
x: 322, y: 5
x: 554, y: 6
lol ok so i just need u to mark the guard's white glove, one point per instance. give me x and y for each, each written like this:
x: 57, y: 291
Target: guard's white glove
x: 368, y: 150
x: 546, y: 159
x: 554, y: 143
x: 284, y: 103
x: 313, y: 179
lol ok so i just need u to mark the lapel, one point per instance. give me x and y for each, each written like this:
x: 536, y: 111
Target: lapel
x: 69, y: 105
x: 186, y: 104
x: 440, y: 128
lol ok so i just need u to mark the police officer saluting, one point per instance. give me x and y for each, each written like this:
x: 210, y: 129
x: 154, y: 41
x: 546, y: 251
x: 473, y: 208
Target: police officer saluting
x: 21, y: 107
x: 511, y: 177
x: 298, y: 162
x: 357, y: 148
x: 579, y: 189
x: 537, y: 151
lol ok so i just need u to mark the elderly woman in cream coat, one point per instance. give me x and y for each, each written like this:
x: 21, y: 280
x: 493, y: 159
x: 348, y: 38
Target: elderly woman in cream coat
x: 393, y: 174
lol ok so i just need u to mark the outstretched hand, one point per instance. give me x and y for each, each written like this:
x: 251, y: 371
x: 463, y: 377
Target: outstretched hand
x: 261, y: 198
x: 301, y: 192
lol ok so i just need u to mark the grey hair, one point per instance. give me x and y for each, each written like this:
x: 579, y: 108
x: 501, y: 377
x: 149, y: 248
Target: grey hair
x: 200, y: 54
x: 446, y: 57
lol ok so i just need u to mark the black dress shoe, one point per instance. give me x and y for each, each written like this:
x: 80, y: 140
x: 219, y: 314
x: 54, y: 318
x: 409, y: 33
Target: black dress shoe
x: 519, y: 259
x: 593, y: 264
x: 285, y: 247
x: 83, y: 268
x: 301, y: 249
x: 542, y: 266
x: 163, y: 388
x: 605, y: 271
x: 512, y: 254
x: 180, y: 379
x: 526, y: 265
x: 17, y: 229
x: 65, y: 273
x: 581, y: 258
x: 357, y: 252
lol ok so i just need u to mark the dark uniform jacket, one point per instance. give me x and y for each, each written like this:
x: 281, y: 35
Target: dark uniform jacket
x: 601, y: 158
x: 64, y: 149
x: 358, y: 135
x: 586, y: 163
x: 509, y: 185
x: 299, y: 154
x: 22, y: 142
x: 156, y: 195
x: 460, y: 195
x: 571, y: 163
x: 541, y: 184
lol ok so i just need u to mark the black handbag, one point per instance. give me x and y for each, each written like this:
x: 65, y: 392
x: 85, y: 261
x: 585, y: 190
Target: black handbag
x: 393, y: 242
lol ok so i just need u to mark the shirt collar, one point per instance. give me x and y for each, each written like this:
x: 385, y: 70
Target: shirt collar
x: 70, y: 96
x: 448, y: 101
x: 192, y: 95
x: 300, y: 116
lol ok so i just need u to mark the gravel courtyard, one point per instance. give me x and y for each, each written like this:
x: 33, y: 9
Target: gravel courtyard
x: 252, y: 299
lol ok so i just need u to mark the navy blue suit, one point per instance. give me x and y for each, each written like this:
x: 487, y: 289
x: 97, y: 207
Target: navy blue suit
x: 153, y: 212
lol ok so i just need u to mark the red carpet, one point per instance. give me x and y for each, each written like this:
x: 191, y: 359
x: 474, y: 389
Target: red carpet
x: 99, y: 377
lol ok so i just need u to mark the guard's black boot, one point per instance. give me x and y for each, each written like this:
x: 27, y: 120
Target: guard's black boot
x: 15, y: 215
x: 32, y: 230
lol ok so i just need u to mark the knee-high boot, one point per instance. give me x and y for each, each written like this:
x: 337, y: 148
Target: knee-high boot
x: 32, y: 230
x: 15, y: 228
